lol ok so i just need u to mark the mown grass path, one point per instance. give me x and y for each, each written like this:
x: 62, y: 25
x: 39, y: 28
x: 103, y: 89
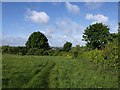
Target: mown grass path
x: 53, y: 72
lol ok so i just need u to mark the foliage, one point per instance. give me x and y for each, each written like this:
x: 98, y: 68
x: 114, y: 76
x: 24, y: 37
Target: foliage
x: 35, y: 51
x: 53, y: 72
x: 96, y: 35
x: 5, y: 49
x: 110, y: 53
x: 96, y: 56
x: 67, y: 46
x: 113, y: 37
x: 51, y: 52
x: 14, y: 50
x: 31, y: 51
x: 22, y: 50
x: 37, y: 40
x: 67, y: 67
x: 106, y: 59
x: 75, y: 51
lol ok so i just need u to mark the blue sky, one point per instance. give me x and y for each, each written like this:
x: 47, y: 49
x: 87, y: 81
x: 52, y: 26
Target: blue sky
x: 60, y: 0
x: 60, y: 22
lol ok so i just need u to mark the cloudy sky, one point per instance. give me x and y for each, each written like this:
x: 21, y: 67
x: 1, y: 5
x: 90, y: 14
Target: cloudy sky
x: 60, y: 22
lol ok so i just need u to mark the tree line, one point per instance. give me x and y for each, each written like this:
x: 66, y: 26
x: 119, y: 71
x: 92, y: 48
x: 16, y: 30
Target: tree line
x: 96, y: 35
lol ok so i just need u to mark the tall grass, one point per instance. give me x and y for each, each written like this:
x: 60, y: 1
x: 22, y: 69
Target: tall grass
x: 53, y: 72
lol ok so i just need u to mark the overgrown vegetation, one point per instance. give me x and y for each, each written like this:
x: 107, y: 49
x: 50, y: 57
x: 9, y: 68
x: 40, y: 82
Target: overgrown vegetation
x: 93, y: 65
x: 54, y: 72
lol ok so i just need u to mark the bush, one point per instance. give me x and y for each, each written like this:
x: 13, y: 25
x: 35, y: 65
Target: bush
x: 50, y: 52
x: 56, y: 53
x: 22, y: 50
x: 10, y: 50
x: 106, y: 59
x: 74, y: 52
x: 35, y: 51
x: 67, y: 46
x: 5, y: 49
x: 110, y: 53
x: 39, y: 52
x: 14, y: 50
x: 96, y: 56
x: 45, y: 52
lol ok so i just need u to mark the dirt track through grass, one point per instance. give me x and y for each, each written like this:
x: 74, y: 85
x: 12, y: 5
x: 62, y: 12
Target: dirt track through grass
x: 53, y: 72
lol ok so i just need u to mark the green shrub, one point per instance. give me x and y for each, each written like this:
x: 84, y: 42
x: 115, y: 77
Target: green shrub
x: 31, y: 51
x: 56, y: 53
x: 110, y: 53
x: 107, y: 58
x: 67, y: 46
x: 74, y: 52
x: 22, y: 50
x: 35, y: 51
x: 50, y: 52
x: 10, y: 50
x: 5, y: 49
x: 45, y: 52
x: 96, y: 56
x: 39, y: 52
x: 14, y: 50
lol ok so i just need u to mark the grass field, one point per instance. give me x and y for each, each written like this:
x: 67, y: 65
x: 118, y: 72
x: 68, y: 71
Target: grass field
x: 53, y: 72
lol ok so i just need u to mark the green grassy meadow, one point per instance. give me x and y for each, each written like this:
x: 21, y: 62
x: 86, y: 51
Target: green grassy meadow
x: 53, y: 72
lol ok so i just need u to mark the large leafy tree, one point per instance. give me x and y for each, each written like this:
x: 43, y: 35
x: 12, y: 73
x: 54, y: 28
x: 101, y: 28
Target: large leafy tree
x: 37, y: 40
x: 96, y: 35
x: 67, y: 46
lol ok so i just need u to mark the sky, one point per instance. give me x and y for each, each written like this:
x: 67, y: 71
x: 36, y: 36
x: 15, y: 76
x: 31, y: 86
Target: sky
x: 59, y: 0
x: 59, y: 21
x: 0, y: 24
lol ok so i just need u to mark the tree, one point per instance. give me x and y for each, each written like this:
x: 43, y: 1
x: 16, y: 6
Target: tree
x: 67, y: 46
x: 37, y: 40
x: 113, y: 36
x: 96, y: 35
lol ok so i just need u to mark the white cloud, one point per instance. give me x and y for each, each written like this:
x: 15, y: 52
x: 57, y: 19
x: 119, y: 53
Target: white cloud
x: 72, y: 8
x: 68, y: 26
x: 113, y: 25
x: 69, y: 31
x: 37, y: 17
x: 64, y: 30
x: 93, y: 5
x: 47, y: 33
x: 13, y: 41
x: 97, y: 18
